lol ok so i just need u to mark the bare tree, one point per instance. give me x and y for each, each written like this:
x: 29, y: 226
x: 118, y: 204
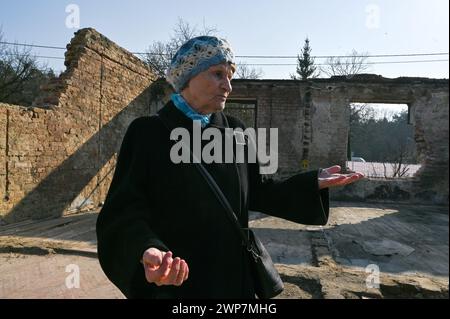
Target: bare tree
x: 20, y: 74
x: 398, y: 165
x: 354, y: 63
x: 361, y: 112
x: 15, y: 68
x: 399, y: 169
x: 243, y: 71
x: 158, y: 57
x: 160, y: 53
x: 374, y: 171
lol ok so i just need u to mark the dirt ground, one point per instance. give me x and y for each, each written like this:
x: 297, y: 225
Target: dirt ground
x: 408, y: 244
x: 333, y: 282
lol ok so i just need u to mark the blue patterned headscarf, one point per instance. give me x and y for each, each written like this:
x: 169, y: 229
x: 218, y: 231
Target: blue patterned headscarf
x: 195, y: 56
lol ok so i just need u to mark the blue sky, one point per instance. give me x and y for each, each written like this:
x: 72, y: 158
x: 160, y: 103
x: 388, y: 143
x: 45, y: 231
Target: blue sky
x: 262, y: 27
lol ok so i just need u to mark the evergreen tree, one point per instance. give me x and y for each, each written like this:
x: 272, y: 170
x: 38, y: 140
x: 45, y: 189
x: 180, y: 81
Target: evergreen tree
x: 305, y: 64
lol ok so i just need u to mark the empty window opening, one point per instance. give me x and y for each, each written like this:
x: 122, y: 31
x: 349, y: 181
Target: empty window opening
x: 381, y: 141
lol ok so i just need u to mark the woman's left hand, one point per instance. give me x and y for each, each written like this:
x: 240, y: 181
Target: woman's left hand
x: 330, y: 177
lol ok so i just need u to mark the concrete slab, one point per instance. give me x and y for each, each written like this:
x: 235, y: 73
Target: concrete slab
x: 398, y: 238
x: 286, y: 242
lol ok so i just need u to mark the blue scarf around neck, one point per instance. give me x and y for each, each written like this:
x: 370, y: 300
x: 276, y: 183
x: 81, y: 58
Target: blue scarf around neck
x: 187, y: 110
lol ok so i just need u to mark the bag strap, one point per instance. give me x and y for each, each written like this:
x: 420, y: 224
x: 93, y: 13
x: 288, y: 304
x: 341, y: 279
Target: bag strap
x: 217, y: 192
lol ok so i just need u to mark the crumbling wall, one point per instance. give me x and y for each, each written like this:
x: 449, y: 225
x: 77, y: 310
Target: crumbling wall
x: 313, y: 122
x: 59, y: 155
x: 430, y: 114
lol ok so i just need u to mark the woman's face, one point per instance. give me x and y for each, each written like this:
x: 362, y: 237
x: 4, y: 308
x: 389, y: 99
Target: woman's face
x: 208, y: 91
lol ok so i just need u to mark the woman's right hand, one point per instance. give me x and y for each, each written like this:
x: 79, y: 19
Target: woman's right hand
x: 162, y: 269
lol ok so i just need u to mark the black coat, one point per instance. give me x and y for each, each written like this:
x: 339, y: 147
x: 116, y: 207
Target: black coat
x: 153, y: 202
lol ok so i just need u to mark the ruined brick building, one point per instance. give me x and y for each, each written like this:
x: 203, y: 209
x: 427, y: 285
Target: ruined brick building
x: 58, y: 156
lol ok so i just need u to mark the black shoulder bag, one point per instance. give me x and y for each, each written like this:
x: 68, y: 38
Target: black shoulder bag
x: 267, y: 281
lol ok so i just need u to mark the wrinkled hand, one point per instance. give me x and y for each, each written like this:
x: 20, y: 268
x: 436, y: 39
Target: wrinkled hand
x: 162, y: 269
x: 330, y: 177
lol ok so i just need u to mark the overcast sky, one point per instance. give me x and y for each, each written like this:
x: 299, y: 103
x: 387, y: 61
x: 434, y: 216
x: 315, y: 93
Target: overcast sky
x: 260, y: 27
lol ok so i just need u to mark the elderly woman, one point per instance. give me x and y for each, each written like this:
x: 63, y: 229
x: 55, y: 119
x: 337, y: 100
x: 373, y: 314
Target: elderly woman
x: 161, y: 232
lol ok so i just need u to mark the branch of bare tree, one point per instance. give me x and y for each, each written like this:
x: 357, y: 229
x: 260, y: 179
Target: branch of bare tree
x: 160, y: 53
x: 354, y: 63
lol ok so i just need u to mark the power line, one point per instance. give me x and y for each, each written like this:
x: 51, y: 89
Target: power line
x: 318, y: 56
x: 34, y: 56
x: 33, y: 45
x: 267, y: 64
x: 381, y: 62
x: 49, y: 57
x: 339, y: 56
x: 258, y: 56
